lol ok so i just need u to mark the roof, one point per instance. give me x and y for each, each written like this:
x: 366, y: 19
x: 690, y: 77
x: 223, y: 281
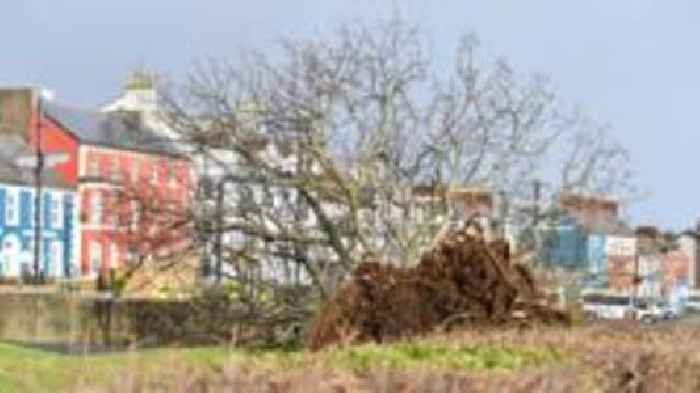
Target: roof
x: 595, y: 224
x: 608, y: 226
x: 11, y: 149
x: 589, y: 201
x: 121, y: 130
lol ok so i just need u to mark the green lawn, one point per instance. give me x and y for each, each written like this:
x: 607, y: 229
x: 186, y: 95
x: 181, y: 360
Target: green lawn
x: 32, y: 370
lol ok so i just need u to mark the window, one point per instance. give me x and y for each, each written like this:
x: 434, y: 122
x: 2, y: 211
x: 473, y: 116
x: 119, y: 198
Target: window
x: 26, y: 209
x: 115, y: 173
x: 246, y: 201
x: 109, y: 215
x: 258, y: 194
x: 114, y: 254
x: 369, y: 217
x: 170, y: 174
x: 135, y: 214
x: 56, y: 211
x: 268, y: 197
x: 96, y: 208
x: 206, y: 185
x: 93, y: 168
x: 303, y: 211
x: 154, y: 174
x: 95, y: 257
x: 11, y: 207
x: 131, y: 254
x: 136, y: 171
x: 153, y: 230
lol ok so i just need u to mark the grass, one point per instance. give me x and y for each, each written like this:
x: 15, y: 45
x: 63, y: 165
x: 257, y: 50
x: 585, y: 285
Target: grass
x: 441, y: 356
x: 31, y: 370
x: 614, y: 357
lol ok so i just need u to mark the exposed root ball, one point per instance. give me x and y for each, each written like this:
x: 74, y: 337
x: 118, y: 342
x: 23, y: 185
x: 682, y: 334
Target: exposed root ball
x: 463, y: 280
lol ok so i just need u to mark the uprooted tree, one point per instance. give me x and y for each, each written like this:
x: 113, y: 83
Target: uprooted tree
x: 321, y: 142
x: 462, y: 280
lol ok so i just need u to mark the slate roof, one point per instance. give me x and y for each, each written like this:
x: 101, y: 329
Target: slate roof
x: 11, y: 149
x: 121, y: 130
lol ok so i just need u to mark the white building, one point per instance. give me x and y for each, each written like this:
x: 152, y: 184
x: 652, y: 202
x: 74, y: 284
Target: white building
x: 221, y: 171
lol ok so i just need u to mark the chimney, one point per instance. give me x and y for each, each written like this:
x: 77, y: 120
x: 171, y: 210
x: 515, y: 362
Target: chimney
x: 16, y: 111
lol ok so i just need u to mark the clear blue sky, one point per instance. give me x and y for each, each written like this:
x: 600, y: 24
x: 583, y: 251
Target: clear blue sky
x: 633, y: 63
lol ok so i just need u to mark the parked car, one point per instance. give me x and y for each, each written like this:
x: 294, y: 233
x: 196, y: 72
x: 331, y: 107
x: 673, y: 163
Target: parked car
x: 621, y: 307
x: 668, y: 311
x: 648, y: 312
x: 606, y: 306
x: 693, y: 304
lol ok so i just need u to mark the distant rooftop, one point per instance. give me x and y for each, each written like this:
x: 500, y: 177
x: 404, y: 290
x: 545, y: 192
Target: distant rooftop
x: 121, y: 129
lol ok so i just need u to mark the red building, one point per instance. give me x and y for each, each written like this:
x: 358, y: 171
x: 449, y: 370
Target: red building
x: 133, y: 186
x: 674, y: 270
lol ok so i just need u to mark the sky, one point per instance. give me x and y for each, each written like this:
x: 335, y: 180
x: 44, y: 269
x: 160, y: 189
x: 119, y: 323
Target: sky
x: 631, y: 63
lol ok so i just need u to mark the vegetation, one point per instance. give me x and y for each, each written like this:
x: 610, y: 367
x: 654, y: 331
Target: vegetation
x: 617, y: 357
x: 30, y: 370
x: 24, y: 369
x: 324, y: 141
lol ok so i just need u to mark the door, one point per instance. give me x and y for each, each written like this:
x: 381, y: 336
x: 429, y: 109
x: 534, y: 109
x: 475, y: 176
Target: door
x: 11, y: 248
x: 56, y: 267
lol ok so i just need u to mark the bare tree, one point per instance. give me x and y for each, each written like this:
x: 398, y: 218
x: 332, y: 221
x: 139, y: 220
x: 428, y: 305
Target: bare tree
x: 151, y: 225
x: 325, y: 139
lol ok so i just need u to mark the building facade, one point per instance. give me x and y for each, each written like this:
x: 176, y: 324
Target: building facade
x: 131, y: 203
x: 131, y: 185
x: 59, y: 236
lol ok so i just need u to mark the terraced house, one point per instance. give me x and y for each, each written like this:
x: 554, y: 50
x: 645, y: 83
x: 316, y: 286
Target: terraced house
x: 58, y: 251
x: 130, y: 183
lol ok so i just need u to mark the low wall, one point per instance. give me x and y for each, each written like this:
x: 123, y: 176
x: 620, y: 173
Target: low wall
x: 36, y: 317
x: 81, y: 321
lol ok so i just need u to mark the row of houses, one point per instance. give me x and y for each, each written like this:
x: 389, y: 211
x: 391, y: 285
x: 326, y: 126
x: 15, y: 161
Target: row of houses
x: 584, y: 237
x: 116, y: 196
x: 109, y: 199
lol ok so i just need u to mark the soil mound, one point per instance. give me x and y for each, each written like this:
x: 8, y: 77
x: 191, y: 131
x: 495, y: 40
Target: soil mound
x: 462, y: 280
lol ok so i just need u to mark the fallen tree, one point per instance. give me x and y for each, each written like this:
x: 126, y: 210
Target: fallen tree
x: 462, y: 280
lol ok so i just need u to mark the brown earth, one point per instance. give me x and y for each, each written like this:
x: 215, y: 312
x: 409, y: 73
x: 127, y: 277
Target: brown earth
x: 463, y: 280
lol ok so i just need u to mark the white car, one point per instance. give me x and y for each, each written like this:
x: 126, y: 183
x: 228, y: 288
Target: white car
x: 693, y: 304
x: 598, y: 306
x: 668, y: 311
x: 648, y: 312
x: 621, y: 307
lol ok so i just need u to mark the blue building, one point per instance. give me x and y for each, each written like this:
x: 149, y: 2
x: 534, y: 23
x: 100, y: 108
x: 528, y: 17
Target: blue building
x: 579, y: 244
x: 58, y: 251
x: 564, y: 244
